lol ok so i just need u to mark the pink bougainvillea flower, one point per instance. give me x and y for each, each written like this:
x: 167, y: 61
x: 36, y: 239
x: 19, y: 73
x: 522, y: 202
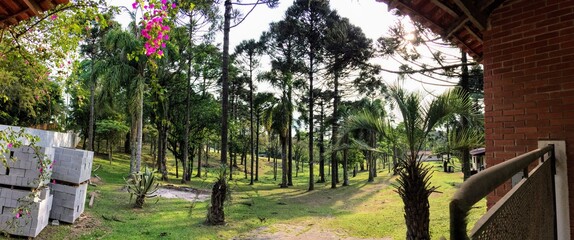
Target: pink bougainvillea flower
x: 164, y: 2
x: 135, y: 5
x: 53, y: 17
x: 10, y: 145
x: 173, y: 5
x: 18, y: 215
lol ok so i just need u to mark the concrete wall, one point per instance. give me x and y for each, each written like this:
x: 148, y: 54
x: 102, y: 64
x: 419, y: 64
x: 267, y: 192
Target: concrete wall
x: 529, y: 81
x: 49, y: 138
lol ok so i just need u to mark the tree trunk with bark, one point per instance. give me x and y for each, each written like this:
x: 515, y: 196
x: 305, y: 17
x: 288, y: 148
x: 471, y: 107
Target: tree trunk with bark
x: 257, y: 151
x: 215, y: 212
x: 225, y: 82
x: 322, y: 144
x: 335, y: 128
x: 284, y: 153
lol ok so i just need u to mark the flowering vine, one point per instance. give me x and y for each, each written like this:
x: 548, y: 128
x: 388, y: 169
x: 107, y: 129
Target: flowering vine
x: 155, y: 29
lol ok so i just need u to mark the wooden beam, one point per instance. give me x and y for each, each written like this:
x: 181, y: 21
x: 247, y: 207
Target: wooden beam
x: 422, y: 16
x: 485, y: 4
x: 12, y: 19
x: 491, y: 6
x: 456, y: 26
x: 473, y: 13
x: 459, y: 41
x: 479, y: 39
x: 3, y: 10
x: 445, y: 8
x: 33, y: 6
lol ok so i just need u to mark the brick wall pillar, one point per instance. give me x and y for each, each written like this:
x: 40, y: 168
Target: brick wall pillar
x: 529, y: 81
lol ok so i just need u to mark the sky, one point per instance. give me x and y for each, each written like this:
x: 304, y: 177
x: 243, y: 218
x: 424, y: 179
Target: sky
x: 371, y: 16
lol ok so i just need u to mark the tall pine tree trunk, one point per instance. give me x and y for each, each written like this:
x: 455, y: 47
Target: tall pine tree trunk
x: 345, y: 168
x: 225, y: 82
x: 322, y: 144
x: 251, y: 145
x: 464, y: 85
x: 335, y: 128
x: 187, y: 109
x: 199, y: 166
x: 284, y: 153
x: 257, y: 150
x: 290, y: 144
x: 311, y: 125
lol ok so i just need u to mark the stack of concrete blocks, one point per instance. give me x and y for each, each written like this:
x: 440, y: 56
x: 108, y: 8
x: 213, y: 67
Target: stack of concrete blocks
x: 26, y: 225
x: 25, y: 171
x: 72, y: 170
x: 21, y: 177
x: 17, y: 181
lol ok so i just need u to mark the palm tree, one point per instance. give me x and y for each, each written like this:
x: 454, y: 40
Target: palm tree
x: 278, y: 117
x: 118, y: 70
x: 414, y: 185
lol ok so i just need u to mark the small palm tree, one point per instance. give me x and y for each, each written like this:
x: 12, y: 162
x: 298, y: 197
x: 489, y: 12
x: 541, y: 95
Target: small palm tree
x: 413, y: 184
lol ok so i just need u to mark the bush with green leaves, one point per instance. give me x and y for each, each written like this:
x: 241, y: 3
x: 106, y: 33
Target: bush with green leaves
x: 142, y: 185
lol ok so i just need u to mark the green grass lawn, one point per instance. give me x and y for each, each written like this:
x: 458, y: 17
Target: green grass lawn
x: 361, y: 210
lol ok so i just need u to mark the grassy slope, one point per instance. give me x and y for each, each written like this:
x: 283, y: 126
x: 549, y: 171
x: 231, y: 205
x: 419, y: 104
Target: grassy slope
x: 365, y: 210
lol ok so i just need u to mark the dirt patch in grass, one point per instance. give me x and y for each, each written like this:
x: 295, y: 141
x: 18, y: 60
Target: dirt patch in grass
x: 290, y: 231
x: 83, y: 225
x: 96, y: 180
x: 186, y: 193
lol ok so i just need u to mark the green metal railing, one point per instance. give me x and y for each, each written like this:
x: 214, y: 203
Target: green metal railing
x: 527, y: 211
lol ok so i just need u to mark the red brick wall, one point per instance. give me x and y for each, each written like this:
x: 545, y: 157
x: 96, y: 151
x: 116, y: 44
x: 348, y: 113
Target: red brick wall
x: 529, y: 81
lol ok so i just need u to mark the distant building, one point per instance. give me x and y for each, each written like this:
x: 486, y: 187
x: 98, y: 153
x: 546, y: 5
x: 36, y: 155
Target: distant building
x: 428, y: 156
x: 477, y: 162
